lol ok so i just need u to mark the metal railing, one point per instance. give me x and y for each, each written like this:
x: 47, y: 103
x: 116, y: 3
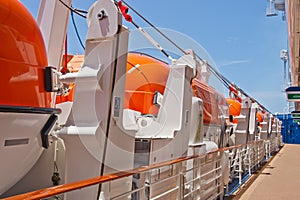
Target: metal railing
x: 193, y: 177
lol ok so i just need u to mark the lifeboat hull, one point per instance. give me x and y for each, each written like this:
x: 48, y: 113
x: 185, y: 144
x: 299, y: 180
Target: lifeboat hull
x: 25, y: 105
x: 21, y: 138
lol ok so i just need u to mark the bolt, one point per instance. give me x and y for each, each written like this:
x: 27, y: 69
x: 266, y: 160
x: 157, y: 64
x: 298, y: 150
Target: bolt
x: 101, y: 15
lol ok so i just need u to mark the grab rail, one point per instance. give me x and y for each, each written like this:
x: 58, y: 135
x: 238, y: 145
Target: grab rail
x: 56, y: 190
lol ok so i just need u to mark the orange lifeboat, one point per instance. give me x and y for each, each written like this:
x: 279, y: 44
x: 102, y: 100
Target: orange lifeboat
x: 234, y: 108
x: 22, y: 58
x: 26, y: 113
x: 211, y: 101
x: 260, y: 118
x: 145, y: 75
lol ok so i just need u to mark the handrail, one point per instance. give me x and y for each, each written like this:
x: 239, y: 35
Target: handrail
x: 55, y: 190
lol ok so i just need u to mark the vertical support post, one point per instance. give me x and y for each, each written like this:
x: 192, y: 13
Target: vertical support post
x: 147, y: 184
x: 53, y: 21
x: 220, y: 176
x: 257, y: 157
x: 284, y: 74
x: 197, y: 175
x: 142, y: 192
x: 180, y: 181
x: 227, y: 189
x: 240, y: 166
x: 249, y: 157
x: 270, y: 143
x: 105, y: 193
x: 266, y: 149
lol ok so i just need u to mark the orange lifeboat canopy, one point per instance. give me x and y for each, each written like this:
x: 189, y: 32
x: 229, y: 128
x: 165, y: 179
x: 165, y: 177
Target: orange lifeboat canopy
x: 22, y: 58
x: 212, y: 101
x: 145, y: 75
x: 234, y: 107
x: 260, y: 117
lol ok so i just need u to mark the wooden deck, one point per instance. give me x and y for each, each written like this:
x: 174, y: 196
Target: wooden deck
x: 279, y: 179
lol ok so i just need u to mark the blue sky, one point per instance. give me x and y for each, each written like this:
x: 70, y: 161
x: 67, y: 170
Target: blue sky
x: 243, y: 43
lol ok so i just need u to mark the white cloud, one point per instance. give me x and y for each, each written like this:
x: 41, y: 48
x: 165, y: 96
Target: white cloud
x: 233, y: 62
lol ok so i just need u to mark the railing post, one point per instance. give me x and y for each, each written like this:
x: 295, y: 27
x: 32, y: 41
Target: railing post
x: 196, y: 175
x: 180, y: 181
x: 227, y: 190
x: 270, y: 147
x: 249, y: 158
x: 142, y: 193
x: 147, y: 184
x: 240, y: 166
x: 229, y: 167
x: 267, y: 149
x: 105, y: 193
x: 257, y: 155
x: 220, y: 174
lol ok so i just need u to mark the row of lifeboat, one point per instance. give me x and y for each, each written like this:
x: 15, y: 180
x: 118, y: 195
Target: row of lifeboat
x: 146, y: 75
x: 28, y: 111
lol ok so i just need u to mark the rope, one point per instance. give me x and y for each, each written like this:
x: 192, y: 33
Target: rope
x: 156, y: 44
x: 76, y: 31
x: 226, y: 82
x: 73, y: 9
x: 150, y: 24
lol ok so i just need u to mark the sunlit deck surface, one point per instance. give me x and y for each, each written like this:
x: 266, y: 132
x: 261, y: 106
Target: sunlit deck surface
x: 278, y: 179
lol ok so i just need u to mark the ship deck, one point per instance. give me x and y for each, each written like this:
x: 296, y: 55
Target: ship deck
x: 278, y: 179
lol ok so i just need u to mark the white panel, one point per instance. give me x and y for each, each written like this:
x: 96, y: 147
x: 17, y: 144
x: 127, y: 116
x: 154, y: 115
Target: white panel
x: 15, y: 129
x: 53, y: 21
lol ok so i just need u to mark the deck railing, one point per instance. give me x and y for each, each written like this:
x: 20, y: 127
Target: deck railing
x: 193, y: 177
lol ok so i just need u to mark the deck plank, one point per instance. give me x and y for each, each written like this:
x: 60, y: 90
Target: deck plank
x: 280, y: 179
